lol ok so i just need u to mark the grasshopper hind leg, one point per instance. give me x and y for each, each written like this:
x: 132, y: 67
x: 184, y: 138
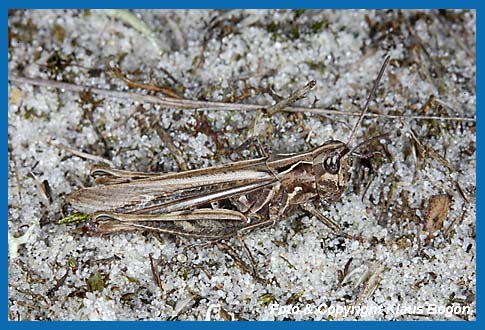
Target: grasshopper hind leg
x: 251, y: 268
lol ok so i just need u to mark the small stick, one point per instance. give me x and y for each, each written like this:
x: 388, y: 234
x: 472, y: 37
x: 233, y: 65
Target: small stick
x: 17, y: 177
x: 150, y: 87
x: 59, y: 282
x: 298, y: 94
x: 167, y: 140
x: 183, y: 104
x: 237, y: 259
x: 83, y: 154
x: 156, y: 273
x: 43, y: 186
x: 462, y: 192
x: 457, y: 221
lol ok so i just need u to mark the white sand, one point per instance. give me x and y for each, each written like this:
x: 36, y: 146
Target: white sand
x: 392, y: 268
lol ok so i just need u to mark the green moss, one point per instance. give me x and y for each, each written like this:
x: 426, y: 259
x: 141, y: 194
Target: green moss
x: 318, y: 26
x: 317, y: 66
x: 299, y: 12
x: 295, y: 32
x: 95, y: 282
x: 295, y: 297
x: 272, y: 27
x: 58, y: 33
x: 266, y: 299
x: 75, y: 218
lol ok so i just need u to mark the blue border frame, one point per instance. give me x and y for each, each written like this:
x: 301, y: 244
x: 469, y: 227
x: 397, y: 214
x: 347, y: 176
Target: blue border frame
x: 341, y: 4
x: 255, y: 4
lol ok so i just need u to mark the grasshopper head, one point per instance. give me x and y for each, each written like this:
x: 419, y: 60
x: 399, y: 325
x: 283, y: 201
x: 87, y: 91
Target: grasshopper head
x: 332, y: 161
x: 332, y: 166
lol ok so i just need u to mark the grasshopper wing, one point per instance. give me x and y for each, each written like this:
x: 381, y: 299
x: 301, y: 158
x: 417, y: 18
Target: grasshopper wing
x: 141, y: 193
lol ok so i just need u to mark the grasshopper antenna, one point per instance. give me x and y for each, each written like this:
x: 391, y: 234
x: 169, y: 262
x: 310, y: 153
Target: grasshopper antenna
x: 375, y: 138
x: 370, y: 97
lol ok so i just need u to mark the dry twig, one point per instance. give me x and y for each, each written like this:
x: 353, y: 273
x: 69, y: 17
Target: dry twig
x: 183, y: 104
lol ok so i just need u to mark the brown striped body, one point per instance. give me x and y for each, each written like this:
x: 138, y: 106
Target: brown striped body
x: 218, y: 201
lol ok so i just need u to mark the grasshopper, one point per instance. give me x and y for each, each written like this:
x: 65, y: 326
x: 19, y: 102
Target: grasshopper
x: 221, y: 201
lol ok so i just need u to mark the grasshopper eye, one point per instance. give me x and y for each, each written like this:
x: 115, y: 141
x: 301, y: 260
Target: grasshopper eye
x: 332, y: 163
